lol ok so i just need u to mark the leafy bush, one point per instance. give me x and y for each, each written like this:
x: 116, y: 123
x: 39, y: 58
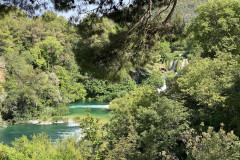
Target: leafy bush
x: 40, y: 147
x: 212, y: 145
x: 76, y: 119
x: 57, y: 118
x: 216, y: 27
x: 154, y: 80
x: 42, y: 76
x: 101, y: 90
x: 147, y: 124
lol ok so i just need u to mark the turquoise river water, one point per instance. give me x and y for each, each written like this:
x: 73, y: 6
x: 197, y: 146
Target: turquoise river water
x: 55, y: 131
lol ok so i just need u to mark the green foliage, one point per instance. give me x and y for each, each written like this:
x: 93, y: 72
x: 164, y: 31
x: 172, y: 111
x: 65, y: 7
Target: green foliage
x: 147, y: 124
x: 70, y: 89
x: 5, y: 40
x: 91, y: 129
x: 176, y: 28
x: 42, y: 77
x: 187, y: 9
x: 217, y: 27
x: 96, y: 41
x: 212, y: 145
x: 2, y: 123
x: 211, y: 88
x: 29, y: 90
x: 165, y: 50
x: 206, y: 80
x: 154, y: 80
x: 76, y: 119
x: 107, y: 50
x: 41, y: 73
x: 40, y: 147
x: 49, y: 16
x: 101, y: 90
x: 10, y: 153
x: 57, y: 118
x: 46, y: 53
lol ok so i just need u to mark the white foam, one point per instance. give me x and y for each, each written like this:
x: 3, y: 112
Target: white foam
x: 90, y: 106
x: 59, y: 122
x: 71, y: 123
x: 163, y: 88
x: 44, y: 123
x: 33, y: 121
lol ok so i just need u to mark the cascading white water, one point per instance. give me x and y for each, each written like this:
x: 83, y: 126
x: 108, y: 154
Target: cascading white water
x: 90, y: 106
x: 184, y: 62
x: 163, y: 88
x: 169, y: 67
x: 174, y: 65
x: 71, y: 123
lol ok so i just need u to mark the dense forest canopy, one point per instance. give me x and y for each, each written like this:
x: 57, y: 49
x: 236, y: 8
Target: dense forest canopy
x: 187, y: 9
x: 46, y: 77
x: 137, y: 22
x: 197, y: 117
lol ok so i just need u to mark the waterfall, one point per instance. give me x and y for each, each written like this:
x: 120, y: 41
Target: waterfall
x: 163, y: 88
x: 71, y: 123
x: 184, y: 62
x: 90, y: 106
x: 174, y: 65
x: 169, y: 67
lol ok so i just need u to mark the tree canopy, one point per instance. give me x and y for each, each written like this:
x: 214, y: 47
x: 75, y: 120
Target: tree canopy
x: 47, y: 63
x: 139, y: 24
x: 217, y: 27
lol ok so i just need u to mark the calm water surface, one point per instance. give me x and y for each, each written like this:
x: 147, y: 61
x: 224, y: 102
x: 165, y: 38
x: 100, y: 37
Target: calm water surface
x: 55, y: 131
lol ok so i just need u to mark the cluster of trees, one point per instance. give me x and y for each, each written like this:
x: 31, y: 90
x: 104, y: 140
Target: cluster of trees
x: 41, y: 73
x: 197, y: 117
x: 40, y: 147
x: 187, y: 9
x: 145, y: 125
x: 210, y: 84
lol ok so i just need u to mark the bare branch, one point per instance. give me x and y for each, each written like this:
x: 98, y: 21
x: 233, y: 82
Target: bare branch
x: 171, y: 13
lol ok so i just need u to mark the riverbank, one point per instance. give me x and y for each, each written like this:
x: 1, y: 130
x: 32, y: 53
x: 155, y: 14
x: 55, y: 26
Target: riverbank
x: 57, y: 127
x: 66, y: 119
x: 77, y: 111
x: 3, y: 124
x: 61, y: 119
